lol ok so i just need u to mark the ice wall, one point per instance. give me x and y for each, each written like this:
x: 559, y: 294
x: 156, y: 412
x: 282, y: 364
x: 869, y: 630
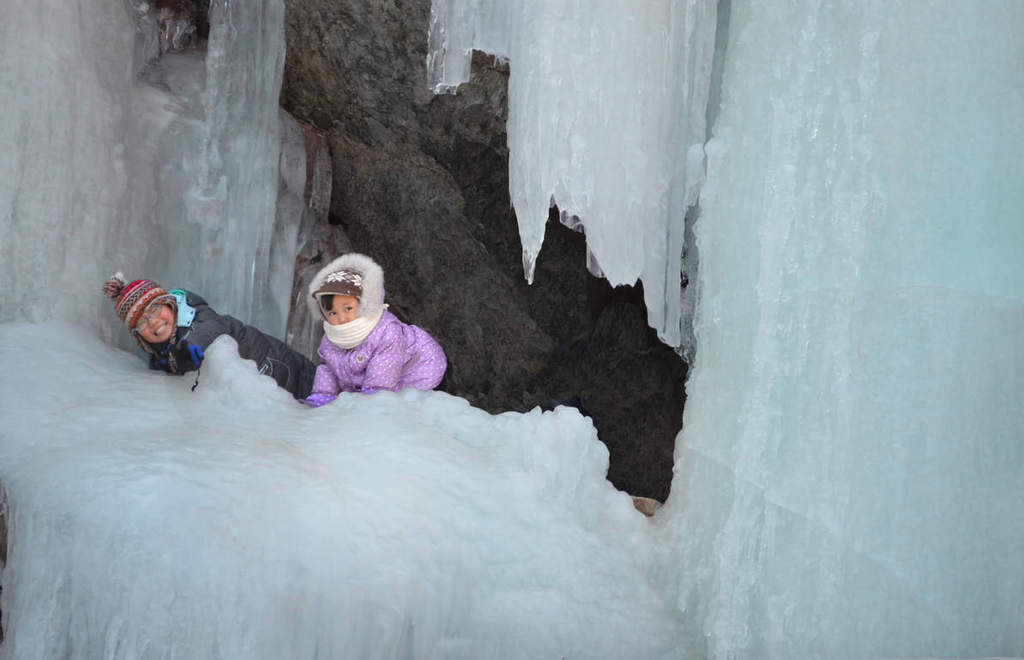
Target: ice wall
x: 166, y: 169
x: 848, y: 480
x: 606, y: 119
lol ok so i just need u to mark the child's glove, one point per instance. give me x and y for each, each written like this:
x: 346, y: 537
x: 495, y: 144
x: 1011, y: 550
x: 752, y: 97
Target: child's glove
x: 317, y: 399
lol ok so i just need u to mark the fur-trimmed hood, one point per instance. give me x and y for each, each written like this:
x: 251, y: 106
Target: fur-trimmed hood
x: 371, y: 302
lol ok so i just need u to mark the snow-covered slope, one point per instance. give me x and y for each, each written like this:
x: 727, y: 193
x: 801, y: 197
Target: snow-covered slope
x: 148, y: 520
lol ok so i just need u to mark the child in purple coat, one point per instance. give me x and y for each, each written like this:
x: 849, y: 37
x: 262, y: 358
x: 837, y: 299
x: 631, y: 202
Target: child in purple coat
x: 365, y: 347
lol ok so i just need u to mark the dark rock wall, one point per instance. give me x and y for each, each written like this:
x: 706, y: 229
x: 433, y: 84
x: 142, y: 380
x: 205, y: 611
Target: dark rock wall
x: 420, y: 183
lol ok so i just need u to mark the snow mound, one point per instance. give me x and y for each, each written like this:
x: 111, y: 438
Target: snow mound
x: 150, y: 520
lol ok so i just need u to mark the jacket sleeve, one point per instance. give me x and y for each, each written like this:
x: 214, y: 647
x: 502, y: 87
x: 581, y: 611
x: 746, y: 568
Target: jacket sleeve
x: 325, y: 387
x: 208, y: 325
x: 157, y: 364
x: 191, y: 347
x: 386, y: 365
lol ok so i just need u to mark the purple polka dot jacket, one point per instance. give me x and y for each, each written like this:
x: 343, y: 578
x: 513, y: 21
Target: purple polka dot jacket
x: 393, y: 356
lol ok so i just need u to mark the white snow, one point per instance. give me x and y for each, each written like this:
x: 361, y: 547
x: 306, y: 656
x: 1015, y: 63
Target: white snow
x: 606, y: 119
x: 147, y: 520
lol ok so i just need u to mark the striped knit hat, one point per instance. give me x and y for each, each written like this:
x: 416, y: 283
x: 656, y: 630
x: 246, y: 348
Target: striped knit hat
x: 132, y: 299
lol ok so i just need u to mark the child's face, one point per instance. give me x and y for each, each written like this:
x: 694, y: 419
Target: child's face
x: 157, y: 323
x: 343, y: 309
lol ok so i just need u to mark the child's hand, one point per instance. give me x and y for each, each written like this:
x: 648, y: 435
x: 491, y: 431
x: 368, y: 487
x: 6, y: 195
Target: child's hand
x: 317, y: 399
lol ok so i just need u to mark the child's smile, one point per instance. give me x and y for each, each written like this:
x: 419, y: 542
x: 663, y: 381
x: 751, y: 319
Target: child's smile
x: 157, y: 324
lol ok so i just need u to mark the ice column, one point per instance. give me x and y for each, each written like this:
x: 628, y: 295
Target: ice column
x: 303, y: 204
x: 167, y: 170
x: 606, y: 119
x: 65, y: 86
x: 848, y: 480
x: 231, y: 202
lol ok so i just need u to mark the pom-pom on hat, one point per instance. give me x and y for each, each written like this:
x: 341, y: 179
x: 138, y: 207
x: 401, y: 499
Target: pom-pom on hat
x: 131, y: 299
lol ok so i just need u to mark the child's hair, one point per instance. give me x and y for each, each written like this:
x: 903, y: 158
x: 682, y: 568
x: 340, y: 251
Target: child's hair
x: 327, y: 301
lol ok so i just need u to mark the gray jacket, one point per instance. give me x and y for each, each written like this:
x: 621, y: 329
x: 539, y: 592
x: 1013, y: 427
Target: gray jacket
x: 199, y: 325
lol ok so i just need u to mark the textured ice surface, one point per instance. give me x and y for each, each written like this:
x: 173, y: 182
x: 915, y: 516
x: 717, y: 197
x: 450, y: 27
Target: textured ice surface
x: 606, y: 119
x: 848, y: 482
x: 65, y: 165
x: 230, y: 204
x: 168, y: 171
x: 149, y: 521
x: 303, y: 204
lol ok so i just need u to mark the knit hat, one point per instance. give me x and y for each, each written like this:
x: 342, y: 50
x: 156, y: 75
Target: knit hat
x: 132, y: 299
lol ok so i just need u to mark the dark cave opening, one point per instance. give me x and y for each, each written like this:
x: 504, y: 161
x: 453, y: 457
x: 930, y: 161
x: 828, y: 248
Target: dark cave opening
x: 611, y: 365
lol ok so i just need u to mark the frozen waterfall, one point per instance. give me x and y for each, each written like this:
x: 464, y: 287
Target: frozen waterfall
x: 606, y: 119
x: 164, y: 169
x: 848, y: 480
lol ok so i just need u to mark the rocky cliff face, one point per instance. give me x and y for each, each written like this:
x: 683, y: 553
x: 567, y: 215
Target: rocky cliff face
x: 420, y: 182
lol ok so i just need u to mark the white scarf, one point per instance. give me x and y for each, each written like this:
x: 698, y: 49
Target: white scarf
x: 351, y: 334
